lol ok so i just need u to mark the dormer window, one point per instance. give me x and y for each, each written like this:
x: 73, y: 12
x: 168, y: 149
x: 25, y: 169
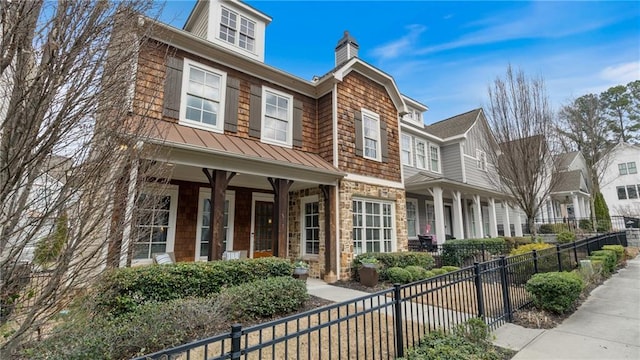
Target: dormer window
x: 414, y: 116
x: 237, y: 30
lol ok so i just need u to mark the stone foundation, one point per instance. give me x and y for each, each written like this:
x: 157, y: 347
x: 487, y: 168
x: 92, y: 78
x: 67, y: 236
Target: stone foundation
x: 316, y: 262
x: 633, y: 237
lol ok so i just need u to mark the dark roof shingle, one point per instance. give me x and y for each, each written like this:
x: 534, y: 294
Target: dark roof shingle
x: 455, y: 125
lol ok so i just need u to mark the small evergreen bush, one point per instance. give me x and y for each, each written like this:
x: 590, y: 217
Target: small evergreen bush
x: 555, y: 291
x: 608, y: 258
x: 449, y: 268
x: 439, y: 271
x: 430, y: 274
x: 529, y: 248
x: 458, y: 252
x: 618, y: 249
x: 395, y: 259
x: 398, y: 275
x: 417, y: 272
x: 566, y: 237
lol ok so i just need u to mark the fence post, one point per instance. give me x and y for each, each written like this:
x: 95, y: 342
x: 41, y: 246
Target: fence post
x: 479, y: 294
x: 398, y: 320
x: 588, y: 247
x: 535, y: 261
x: 558, y: 253
x: 236, y: 333
x: 575, y: 254
x: 482, y: 249
x: 505, y: 288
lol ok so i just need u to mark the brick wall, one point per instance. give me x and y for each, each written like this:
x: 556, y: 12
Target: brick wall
x: 349, y: 190
x: 354, y: 93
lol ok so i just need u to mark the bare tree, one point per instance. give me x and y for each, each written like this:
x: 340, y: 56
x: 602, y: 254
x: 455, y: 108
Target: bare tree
x: 521, y: 121
x: 67, y: 73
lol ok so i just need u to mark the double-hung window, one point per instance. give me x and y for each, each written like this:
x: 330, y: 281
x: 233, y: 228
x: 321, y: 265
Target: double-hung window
x: 421, y: 154
x: 203, y: 231
x: 412, y: 218
x: 371, y: 133
x: 481, y: 158
x: 155, y: 222
x: 373, y: 226
x: 310, y: 225
x: 237, y: 30
x: 407, y: 150
x: 435, y: 159
x: 277, y: 123
x: 622, y: 168
x: 627, y: 168
x: 202, y: 96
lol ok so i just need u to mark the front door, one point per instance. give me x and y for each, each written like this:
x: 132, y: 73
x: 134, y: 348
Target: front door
x: 447, y: 220
x: 262, y: 229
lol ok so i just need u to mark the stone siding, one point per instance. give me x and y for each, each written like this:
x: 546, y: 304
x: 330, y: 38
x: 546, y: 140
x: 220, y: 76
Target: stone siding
x: 316, y: 262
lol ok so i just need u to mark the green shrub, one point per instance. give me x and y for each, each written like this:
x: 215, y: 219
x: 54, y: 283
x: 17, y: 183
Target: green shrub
x: 467, y: 341
x: 618, y: 249
x: 608, y: 258
x: 152, y: 327
x: 122, y: 290
x: 566, y: 237
x: 439, y: 271
x: 603, y: 220
x: 429, y: 274
x: 585, y: 224
x: 398, y: 275
x: 395, y: 259
x: 529, y: 248
x: 449, y: 268
x: 545, y: 229
x: 417, y: 272
x: 49, y: 248
x: 555, y: 291
x: 459, y: 252
x: 515, y: 241
x: 264, y: 298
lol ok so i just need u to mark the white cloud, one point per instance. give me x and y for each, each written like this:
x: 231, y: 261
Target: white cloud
x: 621, y: 73
x: 401, y: 46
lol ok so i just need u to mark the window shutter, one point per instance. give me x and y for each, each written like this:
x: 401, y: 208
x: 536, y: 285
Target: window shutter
x: 358, y: 128
x: 255, y: 111
x: 231, y: 105
x: 384, y: 146
x: 173, y: 88
x: 297, y: 122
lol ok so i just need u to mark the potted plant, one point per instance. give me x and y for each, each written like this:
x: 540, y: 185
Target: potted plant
x: 368, y: 271
x: 300, y: 270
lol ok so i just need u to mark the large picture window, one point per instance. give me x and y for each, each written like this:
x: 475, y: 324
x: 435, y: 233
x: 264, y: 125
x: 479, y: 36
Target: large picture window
x: 155, y: 222
x: 204, y: 218
x: 373, y: 226
x: 277, y: 123
x: 202, y: 96
x: 311, y: 225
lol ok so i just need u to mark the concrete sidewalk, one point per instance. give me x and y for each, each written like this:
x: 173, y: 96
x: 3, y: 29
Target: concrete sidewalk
x: 606, y: 326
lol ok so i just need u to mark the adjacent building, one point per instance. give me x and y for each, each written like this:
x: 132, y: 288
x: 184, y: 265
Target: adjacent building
x: 620, y: 185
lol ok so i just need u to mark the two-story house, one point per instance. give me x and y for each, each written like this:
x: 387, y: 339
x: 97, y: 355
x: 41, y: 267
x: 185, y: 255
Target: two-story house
x: 620, y: 185
x: 263, y: 162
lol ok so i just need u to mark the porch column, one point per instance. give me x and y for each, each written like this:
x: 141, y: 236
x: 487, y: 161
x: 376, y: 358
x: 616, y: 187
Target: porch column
x: 477, y: 215
x: 493, y: 222
x: 124, y: 259
x: 506, y: 223
x: 576, y: 206
x: 330, y: 249
x: 438, y: 205
x: 467, y: 221
x: 517, y: 223
x: 280, y: 207
x: 458, y: 230
x: 218, y: 180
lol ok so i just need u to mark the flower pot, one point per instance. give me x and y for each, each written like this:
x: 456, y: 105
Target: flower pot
x: 301, y: 273
x: 368, y: 275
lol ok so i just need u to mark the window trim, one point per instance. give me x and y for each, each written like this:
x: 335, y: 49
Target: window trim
x: 289, y: 141
x: 205, y: 193
x: 624, y: 188
x: 375, y: 117
x: 635, y: 169
x: 165, y: 190
x: 236, y: 42
x: 481, y: 160
x: 622, y: 166
x: 403, y: 150
x: 392, y: 240
x: 417, y: 220
x: 431, y: 147
x: 303, y: 234
x: 186, y: 68
x: 425, y: 154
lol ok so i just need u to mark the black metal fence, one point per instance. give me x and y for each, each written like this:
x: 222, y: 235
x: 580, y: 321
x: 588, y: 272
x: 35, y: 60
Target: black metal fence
x: 384, y: 324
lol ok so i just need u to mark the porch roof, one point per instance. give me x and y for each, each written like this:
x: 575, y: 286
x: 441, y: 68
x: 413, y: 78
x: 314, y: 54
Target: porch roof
x: 238, y: 154
x: 422, y: 181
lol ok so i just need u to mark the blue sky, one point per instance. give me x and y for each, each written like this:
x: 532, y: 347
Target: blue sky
x: 445, y: 54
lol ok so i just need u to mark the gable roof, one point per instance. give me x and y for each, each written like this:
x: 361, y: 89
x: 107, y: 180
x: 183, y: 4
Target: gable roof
x: 456, y: 125
x: 564, y: 160
x: 568, y: 181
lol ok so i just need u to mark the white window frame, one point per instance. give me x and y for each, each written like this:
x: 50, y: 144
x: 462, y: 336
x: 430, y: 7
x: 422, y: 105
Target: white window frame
x: 622, y: 169
x: 631, y: 168
x: 414, y: 116
x: 161, y: 190
x: 187, y: 65
x: 303, y: 226
x: 437, y: 159
x: 430, y: 216
x: 408, y: 150
x: 376, y: 118
x: 425, y: 154
x: 237, y: 29
x: 382, y: 228
x: 481, y: 160
x: 230, y: 196
x: 417, y: 219
x: 289, y: 141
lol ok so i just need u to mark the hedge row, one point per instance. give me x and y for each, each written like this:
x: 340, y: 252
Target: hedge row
x: 458, y: 252
x: 395, y: 259
x: 123, y: 290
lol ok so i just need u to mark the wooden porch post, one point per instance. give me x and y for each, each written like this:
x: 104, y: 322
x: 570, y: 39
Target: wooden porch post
x: 218, y: 180
x: 330, y: 253
x: 280, y: 223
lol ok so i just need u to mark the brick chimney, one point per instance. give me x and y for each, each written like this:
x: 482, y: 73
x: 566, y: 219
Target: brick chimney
x: 346, y: 49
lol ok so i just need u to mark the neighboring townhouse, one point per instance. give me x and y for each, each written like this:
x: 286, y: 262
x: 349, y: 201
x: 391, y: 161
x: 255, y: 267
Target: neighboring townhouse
x: 620, y: 185
x: 447, y: 178
x: 570, y: 197
x: 263, y: 163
